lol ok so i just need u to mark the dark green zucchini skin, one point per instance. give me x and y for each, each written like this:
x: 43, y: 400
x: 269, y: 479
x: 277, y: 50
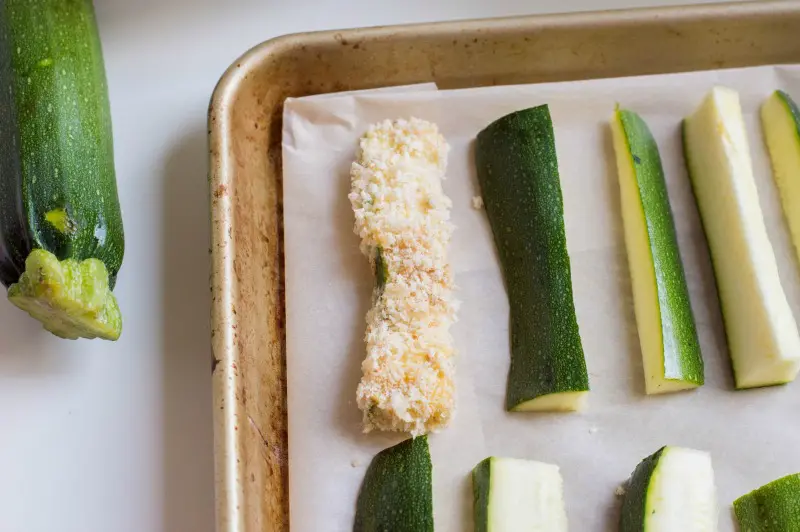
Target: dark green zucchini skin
x: 56, y: 149
x: 396, y: 494
x: 481, y: 488
x: 634, y: 505
x: 517, y: 169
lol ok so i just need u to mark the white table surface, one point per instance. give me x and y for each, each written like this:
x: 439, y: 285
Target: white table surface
x: 117, y: 437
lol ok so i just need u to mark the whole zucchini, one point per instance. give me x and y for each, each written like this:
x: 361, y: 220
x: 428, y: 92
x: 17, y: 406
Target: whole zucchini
x: 61, y: 237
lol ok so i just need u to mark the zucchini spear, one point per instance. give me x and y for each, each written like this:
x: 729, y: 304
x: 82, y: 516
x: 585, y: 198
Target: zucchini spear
x: 517, y: 167
x: 762, y: 334
x: 667, y: 333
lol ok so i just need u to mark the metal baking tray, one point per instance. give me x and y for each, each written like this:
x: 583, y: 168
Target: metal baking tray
x: 249, y: 370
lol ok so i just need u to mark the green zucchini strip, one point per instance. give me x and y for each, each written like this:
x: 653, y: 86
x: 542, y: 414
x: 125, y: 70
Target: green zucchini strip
x: 517, y: 170
x: 664, y: 318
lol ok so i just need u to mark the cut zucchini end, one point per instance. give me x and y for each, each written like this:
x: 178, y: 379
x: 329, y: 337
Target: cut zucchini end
x: 672, y: 489
x: 656, y: 384
x: 681, y: 494
x: 554, y: 402
x: 512, y: 494
x: 776, y: 374
x: 72, y: 299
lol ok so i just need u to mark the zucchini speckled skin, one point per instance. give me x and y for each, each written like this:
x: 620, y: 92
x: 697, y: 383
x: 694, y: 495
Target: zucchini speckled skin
x: 664, y: 317
x: 58, y: 189
x: 397, y: 493
x: 517, y: 167
x: 774, y: 507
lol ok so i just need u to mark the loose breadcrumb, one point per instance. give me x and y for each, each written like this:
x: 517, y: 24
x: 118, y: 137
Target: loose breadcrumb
x: 403, y: 219
x: 477, y: 202
x: 620, y: 491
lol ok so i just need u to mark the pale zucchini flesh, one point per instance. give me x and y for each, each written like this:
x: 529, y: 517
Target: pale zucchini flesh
x: 513, y: 495
x: 671, y: 491
x: 780, y: 119
x: 762, y: 334
x: 667, y: 334
x: 555, y: 402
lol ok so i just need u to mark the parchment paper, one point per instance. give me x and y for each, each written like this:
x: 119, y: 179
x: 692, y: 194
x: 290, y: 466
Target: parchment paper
x: 753, y: 435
